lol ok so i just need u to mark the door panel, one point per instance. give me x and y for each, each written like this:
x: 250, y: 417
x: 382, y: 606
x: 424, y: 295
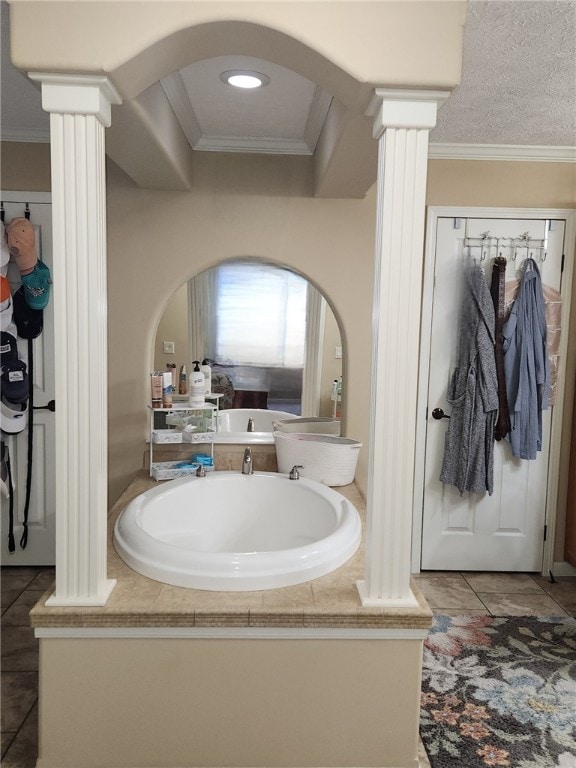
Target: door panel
x: 477, y: 531
x: 41, y: 515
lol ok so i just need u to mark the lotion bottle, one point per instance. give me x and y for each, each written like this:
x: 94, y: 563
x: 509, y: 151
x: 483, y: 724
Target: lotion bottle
x: 196, y: 390
x: 207, y: 371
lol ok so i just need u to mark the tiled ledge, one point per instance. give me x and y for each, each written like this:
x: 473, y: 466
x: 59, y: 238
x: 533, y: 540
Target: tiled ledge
x: 331, y: 601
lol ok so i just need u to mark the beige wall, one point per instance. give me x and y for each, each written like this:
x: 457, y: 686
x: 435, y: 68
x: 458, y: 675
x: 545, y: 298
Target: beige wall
x: 241, y: 206
x: 173, y: 326
x: 193, y: 702
x: 247, y: 206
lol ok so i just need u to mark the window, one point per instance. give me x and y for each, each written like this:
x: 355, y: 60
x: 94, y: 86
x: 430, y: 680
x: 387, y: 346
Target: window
x: 261, y: 315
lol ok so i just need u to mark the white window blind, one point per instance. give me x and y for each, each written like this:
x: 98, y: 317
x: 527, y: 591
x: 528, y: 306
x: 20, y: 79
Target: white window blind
x: 261, y: 315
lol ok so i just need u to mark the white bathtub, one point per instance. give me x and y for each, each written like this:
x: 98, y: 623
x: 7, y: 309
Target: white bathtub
x: 233, y: 425
x: 234, y: 532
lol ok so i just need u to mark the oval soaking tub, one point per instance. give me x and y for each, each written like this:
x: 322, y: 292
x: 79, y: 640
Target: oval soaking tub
x: 233, y: 425
x: 232, y: 532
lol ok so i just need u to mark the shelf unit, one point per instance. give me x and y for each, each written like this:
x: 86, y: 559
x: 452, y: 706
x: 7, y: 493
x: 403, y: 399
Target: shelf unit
x: 197, y: 438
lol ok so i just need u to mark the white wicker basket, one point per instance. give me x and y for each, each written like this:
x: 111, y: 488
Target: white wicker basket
x: 328, y: 459
x: 170, y: 470
x: 166, y: 436
x: 198, y: 437
x: 319, y: 425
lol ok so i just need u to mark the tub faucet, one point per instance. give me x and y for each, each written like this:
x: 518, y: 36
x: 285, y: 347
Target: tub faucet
x: 250, y: 427
x: 294, y: 474
x: 247, y: 468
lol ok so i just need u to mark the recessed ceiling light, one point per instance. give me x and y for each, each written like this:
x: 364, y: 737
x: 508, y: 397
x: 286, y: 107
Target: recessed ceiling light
x: 243, y: 78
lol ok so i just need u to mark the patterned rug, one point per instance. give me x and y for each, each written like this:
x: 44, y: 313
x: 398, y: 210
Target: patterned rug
x: 500, y: 692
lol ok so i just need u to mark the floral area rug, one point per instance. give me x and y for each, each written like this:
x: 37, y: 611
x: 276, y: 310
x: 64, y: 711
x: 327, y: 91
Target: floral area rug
x: 500, y: 692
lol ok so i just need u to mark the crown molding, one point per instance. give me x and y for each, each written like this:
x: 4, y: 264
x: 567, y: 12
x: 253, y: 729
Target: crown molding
x: 30, y: 135
x: 515, y: 152
x: 260, y: 145
x: 176, y: 94
x: 316, y: 118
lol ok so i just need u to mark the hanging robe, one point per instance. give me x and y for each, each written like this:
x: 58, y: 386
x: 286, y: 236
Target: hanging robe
x: 526, y: 364
x: 473, y: 393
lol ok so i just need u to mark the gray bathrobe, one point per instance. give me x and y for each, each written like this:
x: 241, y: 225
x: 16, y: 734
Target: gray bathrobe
x: 473, y: 393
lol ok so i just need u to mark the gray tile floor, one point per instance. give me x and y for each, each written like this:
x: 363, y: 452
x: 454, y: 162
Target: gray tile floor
x: 498, y: 594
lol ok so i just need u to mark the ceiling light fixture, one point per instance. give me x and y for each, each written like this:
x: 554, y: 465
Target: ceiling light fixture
x: 243, y: 78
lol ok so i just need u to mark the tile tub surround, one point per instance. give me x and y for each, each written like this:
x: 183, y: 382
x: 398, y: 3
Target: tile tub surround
x: 299, y: 676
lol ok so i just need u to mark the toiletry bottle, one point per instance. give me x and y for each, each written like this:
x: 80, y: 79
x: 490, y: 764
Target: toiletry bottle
x: 156, y: 389
x: 172, y: 368
x: 182, y: 383
x: 207, y: 371
x: 167, y: 389
x: 196, y: 387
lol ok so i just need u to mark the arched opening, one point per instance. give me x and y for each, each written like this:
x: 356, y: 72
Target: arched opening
x: 264, y: 326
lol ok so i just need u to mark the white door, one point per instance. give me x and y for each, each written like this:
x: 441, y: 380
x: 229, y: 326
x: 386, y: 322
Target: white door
x: 41, y: 515
x: 504, y: 531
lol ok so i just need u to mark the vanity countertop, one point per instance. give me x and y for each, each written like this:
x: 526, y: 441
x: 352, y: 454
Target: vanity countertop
x: 331, y: 601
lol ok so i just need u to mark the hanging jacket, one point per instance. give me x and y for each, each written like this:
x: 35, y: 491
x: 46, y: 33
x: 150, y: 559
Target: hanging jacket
x: 473, y: 393
x: 526, y: 364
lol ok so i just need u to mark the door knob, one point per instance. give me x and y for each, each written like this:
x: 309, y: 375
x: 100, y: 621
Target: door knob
x: 438, y: 413
x: 50, y: 406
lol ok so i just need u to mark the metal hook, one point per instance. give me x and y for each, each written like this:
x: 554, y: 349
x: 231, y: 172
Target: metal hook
x: 27, y: 212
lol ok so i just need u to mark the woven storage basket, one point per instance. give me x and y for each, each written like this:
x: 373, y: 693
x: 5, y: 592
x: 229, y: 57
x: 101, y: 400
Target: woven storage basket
x: 319, y: 425
x: 328, y: 459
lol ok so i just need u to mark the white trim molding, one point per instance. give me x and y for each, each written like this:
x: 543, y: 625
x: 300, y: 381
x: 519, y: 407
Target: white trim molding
x: 80, y: 109
x: 234, y: 633
x: 402, y: 121
x: 517, y: 152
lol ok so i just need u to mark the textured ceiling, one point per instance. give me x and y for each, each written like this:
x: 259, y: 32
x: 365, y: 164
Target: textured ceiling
x: 518, y: 84
x: 518, y: 78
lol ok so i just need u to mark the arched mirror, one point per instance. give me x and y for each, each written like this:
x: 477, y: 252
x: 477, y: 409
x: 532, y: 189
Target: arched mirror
x: 263, y: 328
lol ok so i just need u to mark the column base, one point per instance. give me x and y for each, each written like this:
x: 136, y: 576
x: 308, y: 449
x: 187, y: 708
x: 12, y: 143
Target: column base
x: 101, y: 598
x: 385, y: 602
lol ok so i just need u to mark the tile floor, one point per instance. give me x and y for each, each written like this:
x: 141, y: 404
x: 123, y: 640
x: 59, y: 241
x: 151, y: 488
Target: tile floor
x: 498, y: 594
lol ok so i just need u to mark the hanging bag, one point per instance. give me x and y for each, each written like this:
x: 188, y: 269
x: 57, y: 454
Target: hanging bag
x: 29, y: 323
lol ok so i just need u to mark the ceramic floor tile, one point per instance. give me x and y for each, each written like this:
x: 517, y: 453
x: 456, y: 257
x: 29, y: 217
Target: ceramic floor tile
x: 521, y: 604
x: 502, y: 583
x: 9, y: 596
x: 14, y: 578
x: 563, y: 590
x: 23, y: 751
x: 448, y: 592
x: 17, y: 614
x: 19, y: 692
x: 19, y: 649
x: 5, y: 740
x: 44, y: 580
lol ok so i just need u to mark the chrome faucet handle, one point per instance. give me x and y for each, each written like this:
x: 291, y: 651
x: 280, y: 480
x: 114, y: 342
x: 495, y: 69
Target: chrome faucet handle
x: 247, y: 468
x: 294, y: 474
x: 201, y: 472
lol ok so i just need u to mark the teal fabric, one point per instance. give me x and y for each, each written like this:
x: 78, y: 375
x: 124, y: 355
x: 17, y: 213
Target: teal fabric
x: 37, y: 286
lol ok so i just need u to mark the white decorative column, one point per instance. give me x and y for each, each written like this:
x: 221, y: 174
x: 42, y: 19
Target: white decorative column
x: 80, y: 108
x: 402, y: 122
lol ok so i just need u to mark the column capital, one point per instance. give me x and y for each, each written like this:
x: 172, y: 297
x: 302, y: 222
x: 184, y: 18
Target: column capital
x: 404, y: 108
x: 77, y: 94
